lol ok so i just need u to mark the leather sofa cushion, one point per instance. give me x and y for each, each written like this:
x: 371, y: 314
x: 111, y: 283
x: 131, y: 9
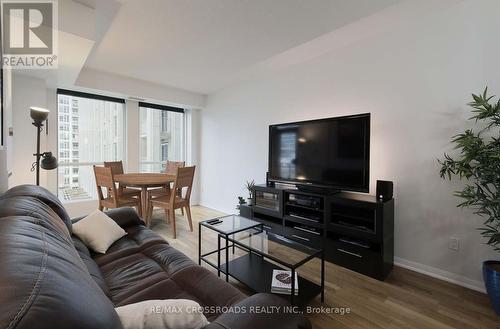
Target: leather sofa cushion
x: 92, y: 268
x: 137, y: 238
x: 80, y: 247
x: 44, y: 283
x: 125, y: 217
x: 192, y: 282
x: 42, y: 195
x: 33, y: 207
x: 132, y: 273
x: 142, y: 266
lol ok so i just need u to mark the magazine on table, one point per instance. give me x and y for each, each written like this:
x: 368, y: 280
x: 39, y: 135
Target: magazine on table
x: 282, y: 282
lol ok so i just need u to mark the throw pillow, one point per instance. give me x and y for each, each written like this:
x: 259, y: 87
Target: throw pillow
x: 162, y: 314
x: 98, y: 231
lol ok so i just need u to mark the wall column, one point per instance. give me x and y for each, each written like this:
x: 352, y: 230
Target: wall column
x: 132, y: 136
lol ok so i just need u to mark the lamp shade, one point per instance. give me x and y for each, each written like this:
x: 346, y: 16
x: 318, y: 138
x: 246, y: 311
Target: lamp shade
x: 38, y: 114
x: 49, y: 161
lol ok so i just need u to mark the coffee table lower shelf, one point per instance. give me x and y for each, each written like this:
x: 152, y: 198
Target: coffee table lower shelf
x: 256, y: 272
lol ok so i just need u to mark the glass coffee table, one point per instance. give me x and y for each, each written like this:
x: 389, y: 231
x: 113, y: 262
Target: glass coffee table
x: 263, y: 253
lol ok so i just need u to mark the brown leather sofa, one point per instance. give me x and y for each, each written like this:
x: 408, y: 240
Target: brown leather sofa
x: 50, y: 279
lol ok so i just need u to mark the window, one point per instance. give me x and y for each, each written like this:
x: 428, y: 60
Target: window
x: 90, y: 142
x: 164, y: 152
x: 162, y: 136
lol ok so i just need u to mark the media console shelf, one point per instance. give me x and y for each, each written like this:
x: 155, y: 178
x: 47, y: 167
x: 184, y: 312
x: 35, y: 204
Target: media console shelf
x: 356, y: 231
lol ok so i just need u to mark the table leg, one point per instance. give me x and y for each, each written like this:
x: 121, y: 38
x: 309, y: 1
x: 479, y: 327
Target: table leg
x: 199, y: 243
x: 144, y: 202
x: 323, y: 276
x: 227, y: 259
x: 218, y: 255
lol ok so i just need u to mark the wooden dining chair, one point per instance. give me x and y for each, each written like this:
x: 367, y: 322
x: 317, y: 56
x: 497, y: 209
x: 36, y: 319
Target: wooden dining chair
x: 112, y: 199
x: 183, y: 179
x: 170, y: 168
x: 117, y: 168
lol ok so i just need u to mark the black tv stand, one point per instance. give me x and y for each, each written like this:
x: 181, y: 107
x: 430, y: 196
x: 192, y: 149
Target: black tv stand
x: 356, y: 230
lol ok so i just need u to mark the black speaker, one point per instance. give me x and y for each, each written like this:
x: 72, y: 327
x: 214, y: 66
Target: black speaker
x: 268, y: 183
x: 384, y: 190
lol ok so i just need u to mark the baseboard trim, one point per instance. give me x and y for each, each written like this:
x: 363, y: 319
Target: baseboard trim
x: 440, y: 274
x: 413, y: 266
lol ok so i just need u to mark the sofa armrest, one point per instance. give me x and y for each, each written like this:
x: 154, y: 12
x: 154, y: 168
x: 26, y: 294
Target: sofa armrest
x: 125, y: 217
x: 263, y: 311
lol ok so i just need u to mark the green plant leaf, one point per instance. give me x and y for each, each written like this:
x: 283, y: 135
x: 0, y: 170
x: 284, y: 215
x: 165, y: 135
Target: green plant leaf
x: 477, y: 160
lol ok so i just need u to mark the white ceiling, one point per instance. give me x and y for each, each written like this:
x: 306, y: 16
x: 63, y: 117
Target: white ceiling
x: 202, y: 45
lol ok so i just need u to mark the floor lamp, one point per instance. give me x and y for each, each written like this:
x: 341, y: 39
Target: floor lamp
x: 48, y: 161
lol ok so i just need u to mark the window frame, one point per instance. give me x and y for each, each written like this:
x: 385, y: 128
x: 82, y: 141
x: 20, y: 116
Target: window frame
x: 80, y: 94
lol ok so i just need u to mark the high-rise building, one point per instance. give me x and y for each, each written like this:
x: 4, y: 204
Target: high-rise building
x: 161, y: 138
x: 90, y: 131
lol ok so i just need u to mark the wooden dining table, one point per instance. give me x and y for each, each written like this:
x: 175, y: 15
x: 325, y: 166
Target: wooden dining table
x: 145, y: 181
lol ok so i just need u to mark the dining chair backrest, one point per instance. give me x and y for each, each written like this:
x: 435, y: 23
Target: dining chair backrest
x: 172, y: 166
x: 116, y: 166
x: 184, y: 178
x: 104, y: 179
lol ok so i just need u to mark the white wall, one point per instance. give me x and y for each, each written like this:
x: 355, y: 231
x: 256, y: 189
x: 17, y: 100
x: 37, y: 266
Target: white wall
x: 26, y: 92
x: 7, y: 122
x: 133, y: 132
x: 415, y: 79
x: 97, y: 80
x: 193, y: 144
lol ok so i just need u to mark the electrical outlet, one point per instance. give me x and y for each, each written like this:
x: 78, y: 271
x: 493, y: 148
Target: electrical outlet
x: 454, y: 243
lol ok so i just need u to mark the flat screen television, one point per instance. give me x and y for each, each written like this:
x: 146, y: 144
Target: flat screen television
x: 331, y: 153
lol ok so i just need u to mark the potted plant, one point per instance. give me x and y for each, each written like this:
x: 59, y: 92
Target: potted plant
x: 250, y: 185
x: 478, y: 162
x: 241, y: 200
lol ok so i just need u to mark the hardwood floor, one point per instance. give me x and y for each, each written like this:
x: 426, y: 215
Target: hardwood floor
x: 405, y: 300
